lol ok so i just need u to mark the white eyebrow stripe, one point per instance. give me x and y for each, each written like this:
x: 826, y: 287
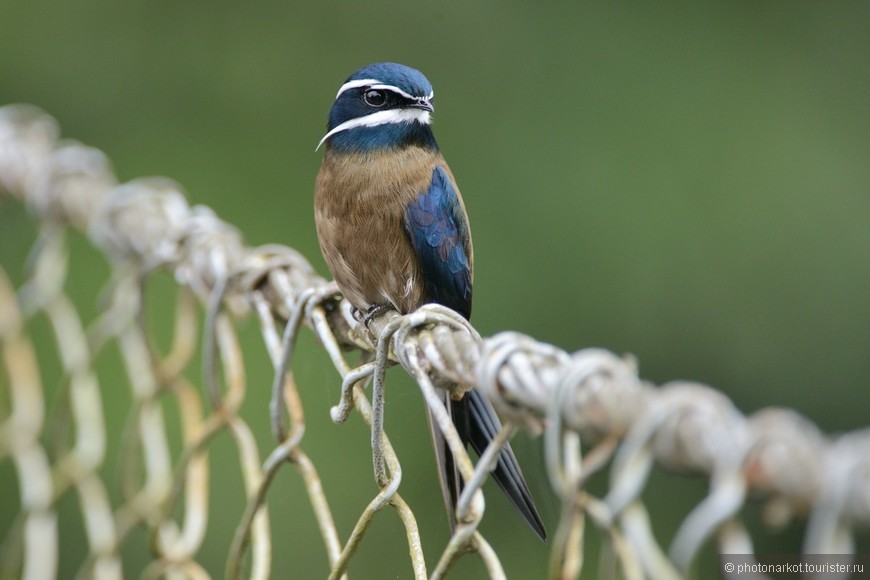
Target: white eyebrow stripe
x: 376, y: 84
x: 381, y: 118
x: 357, y: 83
x: 408, y: 96
x: 396, y: 90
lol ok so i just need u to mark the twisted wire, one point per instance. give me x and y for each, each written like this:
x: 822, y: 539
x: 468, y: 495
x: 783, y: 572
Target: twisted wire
x: 590, y: 396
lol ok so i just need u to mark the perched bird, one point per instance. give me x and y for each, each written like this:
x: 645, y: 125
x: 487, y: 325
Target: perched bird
x: 393, y: 230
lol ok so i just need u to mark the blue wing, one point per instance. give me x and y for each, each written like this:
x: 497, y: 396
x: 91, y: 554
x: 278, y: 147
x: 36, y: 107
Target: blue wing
x: 438, y: 229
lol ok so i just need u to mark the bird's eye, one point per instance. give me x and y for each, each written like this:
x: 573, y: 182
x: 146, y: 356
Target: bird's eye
x: 375, y: 98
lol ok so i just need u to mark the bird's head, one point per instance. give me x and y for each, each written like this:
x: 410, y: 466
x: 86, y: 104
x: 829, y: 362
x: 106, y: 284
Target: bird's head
x: 381, y: 106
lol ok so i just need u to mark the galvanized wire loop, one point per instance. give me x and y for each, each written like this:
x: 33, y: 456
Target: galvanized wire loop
x: 591, y: 397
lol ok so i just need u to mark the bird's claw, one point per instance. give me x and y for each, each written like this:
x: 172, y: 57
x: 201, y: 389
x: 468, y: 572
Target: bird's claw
x: 374, y: 311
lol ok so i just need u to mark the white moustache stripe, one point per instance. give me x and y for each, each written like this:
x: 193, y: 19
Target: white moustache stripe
x: 381, y: 118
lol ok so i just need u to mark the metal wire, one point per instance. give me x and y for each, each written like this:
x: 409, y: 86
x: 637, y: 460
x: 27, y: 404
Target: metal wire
x: 591, y: 396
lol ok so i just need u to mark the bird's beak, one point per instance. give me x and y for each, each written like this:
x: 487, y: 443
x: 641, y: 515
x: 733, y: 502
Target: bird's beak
x: 424, y: 104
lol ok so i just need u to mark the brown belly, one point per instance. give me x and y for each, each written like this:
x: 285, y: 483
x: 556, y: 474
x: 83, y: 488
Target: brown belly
x: 360, y: 202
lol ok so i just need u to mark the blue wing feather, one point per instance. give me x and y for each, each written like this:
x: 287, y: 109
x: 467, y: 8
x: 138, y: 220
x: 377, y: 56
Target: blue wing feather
x: 438, y: 229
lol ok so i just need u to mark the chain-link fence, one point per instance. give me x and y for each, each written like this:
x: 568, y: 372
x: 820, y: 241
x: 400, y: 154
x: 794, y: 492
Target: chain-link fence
x: 593, y: 396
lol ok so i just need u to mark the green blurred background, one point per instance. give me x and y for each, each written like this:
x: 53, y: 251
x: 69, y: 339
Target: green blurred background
x: 690, y: 184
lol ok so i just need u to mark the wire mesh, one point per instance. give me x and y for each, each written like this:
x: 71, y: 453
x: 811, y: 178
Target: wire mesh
x: 591, y: 397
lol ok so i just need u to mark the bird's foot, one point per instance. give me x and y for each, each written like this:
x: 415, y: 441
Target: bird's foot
x: 374, y: 311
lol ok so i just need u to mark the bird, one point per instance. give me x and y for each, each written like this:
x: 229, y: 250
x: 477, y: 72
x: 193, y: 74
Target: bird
x: 394, y: 233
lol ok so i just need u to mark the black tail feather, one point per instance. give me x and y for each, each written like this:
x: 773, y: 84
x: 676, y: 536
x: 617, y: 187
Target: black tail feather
x: 484, y: 426
x: 477, y: 424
